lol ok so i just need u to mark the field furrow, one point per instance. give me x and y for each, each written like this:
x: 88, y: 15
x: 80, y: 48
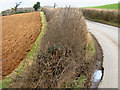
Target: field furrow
x: 19, y: 32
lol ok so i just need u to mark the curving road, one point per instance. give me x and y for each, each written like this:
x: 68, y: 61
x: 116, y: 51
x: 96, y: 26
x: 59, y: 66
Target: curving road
x: 107, y: 36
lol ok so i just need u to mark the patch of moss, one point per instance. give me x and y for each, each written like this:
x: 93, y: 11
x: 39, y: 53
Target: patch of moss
x: 91, y: 48
x: 79, y: 83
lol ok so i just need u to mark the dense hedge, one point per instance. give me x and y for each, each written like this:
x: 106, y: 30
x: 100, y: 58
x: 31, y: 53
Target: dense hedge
x: 49, y: 13
x: 19, y: 10
x: 105, y: 15
x: 63, y: 47
x: 66, y: 26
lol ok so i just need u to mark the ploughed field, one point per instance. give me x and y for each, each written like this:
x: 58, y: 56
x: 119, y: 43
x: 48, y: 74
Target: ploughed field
x: 19, y: 32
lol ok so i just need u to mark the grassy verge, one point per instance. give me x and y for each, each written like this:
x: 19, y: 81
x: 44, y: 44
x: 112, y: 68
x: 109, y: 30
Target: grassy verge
x: 29, y: 58
x: 91, y: 48
x: 104, y: 22
x: 79, y: 83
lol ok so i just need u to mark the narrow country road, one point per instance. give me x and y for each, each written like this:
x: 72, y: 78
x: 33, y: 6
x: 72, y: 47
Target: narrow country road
x: 107, y: 36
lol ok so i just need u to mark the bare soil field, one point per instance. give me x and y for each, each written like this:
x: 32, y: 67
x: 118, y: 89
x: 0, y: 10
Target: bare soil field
x: 19, y: 32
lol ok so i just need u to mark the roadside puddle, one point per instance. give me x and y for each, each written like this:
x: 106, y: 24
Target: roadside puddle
x: 97, y: 77
x: 98, y: 70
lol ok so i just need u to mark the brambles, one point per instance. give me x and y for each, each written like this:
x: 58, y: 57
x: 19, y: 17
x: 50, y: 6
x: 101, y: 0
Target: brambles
x: 52, y: 64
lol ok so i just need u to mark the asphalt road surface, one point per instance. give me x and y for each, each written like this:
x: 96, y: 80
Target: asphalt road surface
x: 107, y: 36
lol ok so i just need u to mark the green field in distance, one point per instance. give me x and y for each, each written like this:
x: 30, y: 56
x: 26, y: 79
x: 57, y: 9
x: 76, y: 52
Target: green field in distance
x: 109, y: 6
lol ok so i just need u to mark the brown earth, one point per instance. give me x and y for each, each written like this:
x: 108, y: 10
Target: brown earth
x: 19, y: 32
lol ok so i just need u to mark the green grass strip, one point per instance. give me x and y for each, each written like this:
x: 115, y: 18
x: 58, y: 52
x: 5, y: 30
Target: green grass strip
x: 104, y: 22
x: 37, y: 43
x: 29, y: 57
x: 109, y: 6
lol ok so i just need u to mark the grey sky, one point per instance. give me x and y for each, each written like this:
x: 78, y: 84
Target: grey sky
x: 7, y: 4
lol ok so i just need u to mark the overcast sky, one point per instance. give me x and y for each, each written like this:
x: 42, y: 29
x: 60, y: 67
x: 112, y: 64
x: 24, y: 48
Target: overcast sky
x: 7, y: 4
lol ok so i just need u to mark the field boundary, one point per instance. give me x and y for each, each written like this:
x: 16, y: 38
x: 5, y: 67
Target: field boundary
x: 29, y: 57
x: 106, y: 16
x: 103, y: 22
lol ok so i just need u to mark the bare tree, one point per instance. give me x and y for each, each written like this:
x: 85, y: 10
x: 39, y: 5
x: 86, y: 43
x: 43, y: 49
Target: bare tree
x: 16, y: 6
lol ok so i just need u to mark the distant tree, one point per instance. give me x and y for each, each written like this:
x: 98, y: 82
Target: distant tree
x: 54, y: 5
x: 36, y: 6
x: 16, y: 6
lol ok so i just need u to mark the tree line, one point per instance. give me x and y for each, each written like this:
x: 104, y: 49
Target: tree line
x: 36, y: 6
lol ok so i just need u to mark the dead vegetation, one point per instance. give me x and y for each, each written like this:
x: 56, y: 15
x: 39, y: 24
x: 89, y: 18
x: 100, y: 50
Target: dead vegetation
x: 67, y: 28
x: 63, y: 56
x: 49, y: 13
